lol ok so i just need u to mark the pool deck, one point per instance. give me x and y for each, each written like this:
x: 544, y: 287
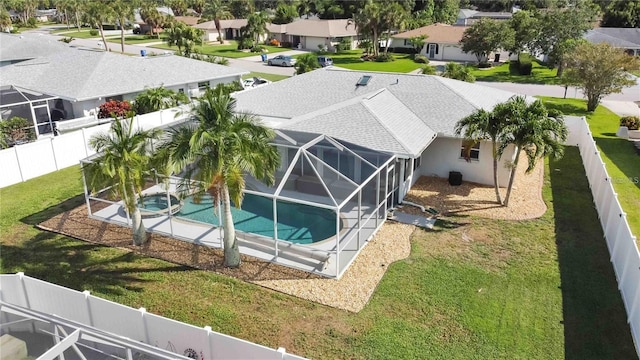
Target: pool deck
x: 303, y: 257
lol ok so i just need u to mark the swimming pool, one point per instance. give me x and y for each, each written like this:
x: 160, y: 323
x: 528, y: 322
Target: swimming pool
x: 297, y: 223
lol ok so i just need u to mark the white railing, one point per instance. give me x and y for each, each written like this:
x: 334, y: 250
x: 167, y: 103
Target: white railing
x: 136, y: 324
x: 620, y: 240
x: 27, y: 161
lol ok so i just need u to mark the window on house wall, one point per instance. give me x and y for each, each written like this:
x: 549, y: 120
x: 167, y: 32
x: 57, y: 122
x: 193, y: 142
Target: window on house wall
x: 181, y: 90
x: 407, y: 167
x: 416, y: 162
x: 470, y: 150
x: 202, y: 86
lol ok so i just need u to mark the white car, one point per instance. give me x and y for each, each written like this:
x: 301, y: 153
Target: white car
x: 254, y: 82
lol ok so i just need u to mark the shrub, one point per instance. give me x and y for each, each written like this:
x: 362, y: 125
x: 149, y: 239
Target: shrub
x: 631, y: 122
x: 93, y: 32
x: 245, y: 43
x: 402, y: 50
x: 32, y: 23
x: 420, y: 59
x: 14, y: 131
x: 525, y: 64
x: 384, y: 58
x: 344, y: 44
x: 114, y: 108
x: 258, y: 48
x: 484, y: 65
x: 428, y: 70
x: 274, y: 42
x: 286, y: 44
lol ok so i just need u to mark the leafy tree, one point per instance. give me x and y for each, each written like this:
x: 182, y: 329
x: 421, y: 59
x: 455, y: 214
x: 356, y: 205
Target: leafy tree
x: 241, y: 9
x: 599, y: 70
x: 625, y: 14
x: 558, y: 28
x: 458, y: 72
x: 152, y: 17
x: 417, y: 42
x: 5, y: 19
x: 524, y: 27
x: 217, y: 10
x: 197, y: 5
x: 220, y: 148
x: 155, y: 99
x: 446, y: 11
x: 74, y: 7
x: 533, y: 129
x: 15, y: 130
x: 306, y: 62
x: 26, y: 8
x: 256, y: 26
x: 485, y: 125
x: 486, y: 36
x: 368, y: 21
x: 285, y: 13
x: 98, y: 13
x: 123, y: 12
x: 179, y: 7
x: 123, y: 164
x: 420, y: 18
x: 306, y: 8
x: 184, y: 37
x: 393, y: 17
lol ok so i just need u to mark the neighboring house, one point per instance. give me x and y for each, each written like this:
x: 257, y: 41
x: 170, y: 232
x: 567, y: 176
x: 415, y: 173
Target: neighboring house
x: 312, y: 33
x: 410, y: 116
x: 468, y: 16
x: 72, y: 84
x: 623, y: 38
x: 188, y: 20
x: 229, y: 29
x: 17, y: 48
x: 46, y: 15
x: 442, y: 43
x: 144, y: 27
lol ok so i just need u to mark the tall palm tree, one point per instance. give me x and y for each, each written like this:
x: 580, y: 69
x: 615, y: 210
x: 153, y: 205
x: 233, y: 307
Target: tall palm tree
x: 217, y: 151
x: 155, y: 99
x: 152, y: 17
x: 217, y: 10
x: 534, y: 129
x: 183, y: 36
x: 123, y: 164
x: 394, y: 17
x: 368, y: 21
x: 485, y: 125
x: 306, y: 62
x: 257, y: 25
x: 97, y: 13
x: 123, y: 12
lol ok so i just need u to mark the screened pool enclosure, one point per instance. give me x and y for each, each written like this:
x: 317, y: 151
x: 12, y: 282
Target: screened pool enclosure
x: 328, y: 199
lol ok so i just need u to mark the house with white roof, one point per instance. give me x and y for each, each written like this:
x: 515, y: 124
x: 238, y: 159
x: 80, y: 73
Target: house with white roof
x: 410, y: 116
x: 469, y: 16
x: 73, y: 83
x: 229, y: 29
x: 17, y: 48
x: 312, y: 33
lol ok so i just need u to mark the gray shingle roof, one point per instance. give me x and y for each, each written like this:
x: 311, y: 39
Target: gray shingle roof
x: 437, y: 101
x: 24, y: 47
x: 619, y: 37
x: 87, y: 74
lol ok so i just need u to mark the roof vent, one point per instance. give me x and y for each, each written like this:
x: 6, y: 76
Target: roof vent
x: 364, y: 80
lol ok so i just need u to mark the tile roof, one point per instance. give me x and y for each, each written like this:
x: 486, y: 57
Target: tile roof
x: 437, y: 33
x: 22, y: 47
x: 88, y: 74
x: 381, y: 115
x: 619, y: 37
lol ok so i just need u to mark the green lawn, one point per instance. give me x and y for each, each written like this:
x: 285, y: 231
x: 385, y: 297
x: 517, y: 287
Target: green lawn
x: 83, y: 34
x: 540, y: 74
x: 635, y: 72
x: 623, y: 165
x: 227, y: 50
x: 270, y: 77
x: 539, y: 289
x: 403, y: 63
x: 135, y: 39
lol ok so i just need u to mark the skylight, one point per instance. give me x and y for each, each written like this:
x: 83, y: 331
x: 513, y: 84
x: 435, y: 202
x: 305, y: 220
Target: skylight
x: 364, y: 80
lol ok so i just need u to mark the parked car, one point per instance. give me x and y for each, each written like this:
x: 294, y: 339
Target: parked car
x: 325, y: 61
x: 254, y: 82
x: 282, y: 60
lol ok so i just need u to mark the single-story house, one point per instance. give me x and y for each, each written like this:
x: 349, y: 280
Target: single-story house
x: 146, y: 28
x: 16, y: 48
x: 469, y: 16
x: 624, y: 38
x: 229, y: 29
x: 410, y: 116
x: 312, y: 33
x: 74, y: 83
x: 442, y: 43
x: 188, y: 19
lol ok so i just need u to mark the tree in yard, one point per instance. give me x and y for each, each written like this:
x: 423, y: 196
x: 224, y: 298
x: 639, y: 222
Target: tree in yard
x: 179, y: 7
x: 15, y: 130
x: 486, y: 36
x: 446, y: 11
x: 256, y: 26
x: 533, y: 129
x: 241, y: 9
x: 98, y: 13
x: 485, y: 125
x: 155, y: 99
x: 217, y: 10
x: 219, y: 149
x: 559, y: 29
x: 368, y: 21
x: 524, y: 27
x: 393, y: 17
x: 285, y: 13
x: 5, y: 19
x: 599, y: 70
x: 152, y: 17
x: 458, y: 72
x: 123, y: 12
x: 71, y: 8
x: 417, y: 42
x: 305, y: 63
x: 122, y: 164
x: 625, y: 14
x: 183, y: 36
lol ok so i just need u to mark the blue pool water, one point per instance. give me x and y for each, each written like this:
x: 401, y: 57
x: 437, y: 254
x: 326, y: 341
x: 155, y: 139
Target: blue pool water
x: 297, y: 223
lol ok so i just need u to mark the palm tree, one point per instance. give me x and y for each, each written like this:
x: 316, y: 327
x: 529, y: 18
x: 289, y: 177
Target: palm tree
x: 97, y: 13
x: 534, y: 129
x: 122, y: 11
x: 123, y: 164
x: 306, y: 63
x: 458, y: 72
x: 183, y: 36
x: 217, y: 151
x: 217, y: 10
x: 5, y: 19
x: 257, y: 25
x: 152, y: 17
x: 394, y: 17
x: 368, y: 20
x: 155, y: 99
x: 485, y: 125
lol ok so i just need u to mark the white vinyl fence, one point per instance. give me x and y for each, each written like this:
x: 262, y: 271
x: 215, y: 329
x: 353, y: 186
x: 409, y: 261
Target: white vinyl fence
x: 620, y: 240
x: 136, y: 324
x: 27, y: 161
